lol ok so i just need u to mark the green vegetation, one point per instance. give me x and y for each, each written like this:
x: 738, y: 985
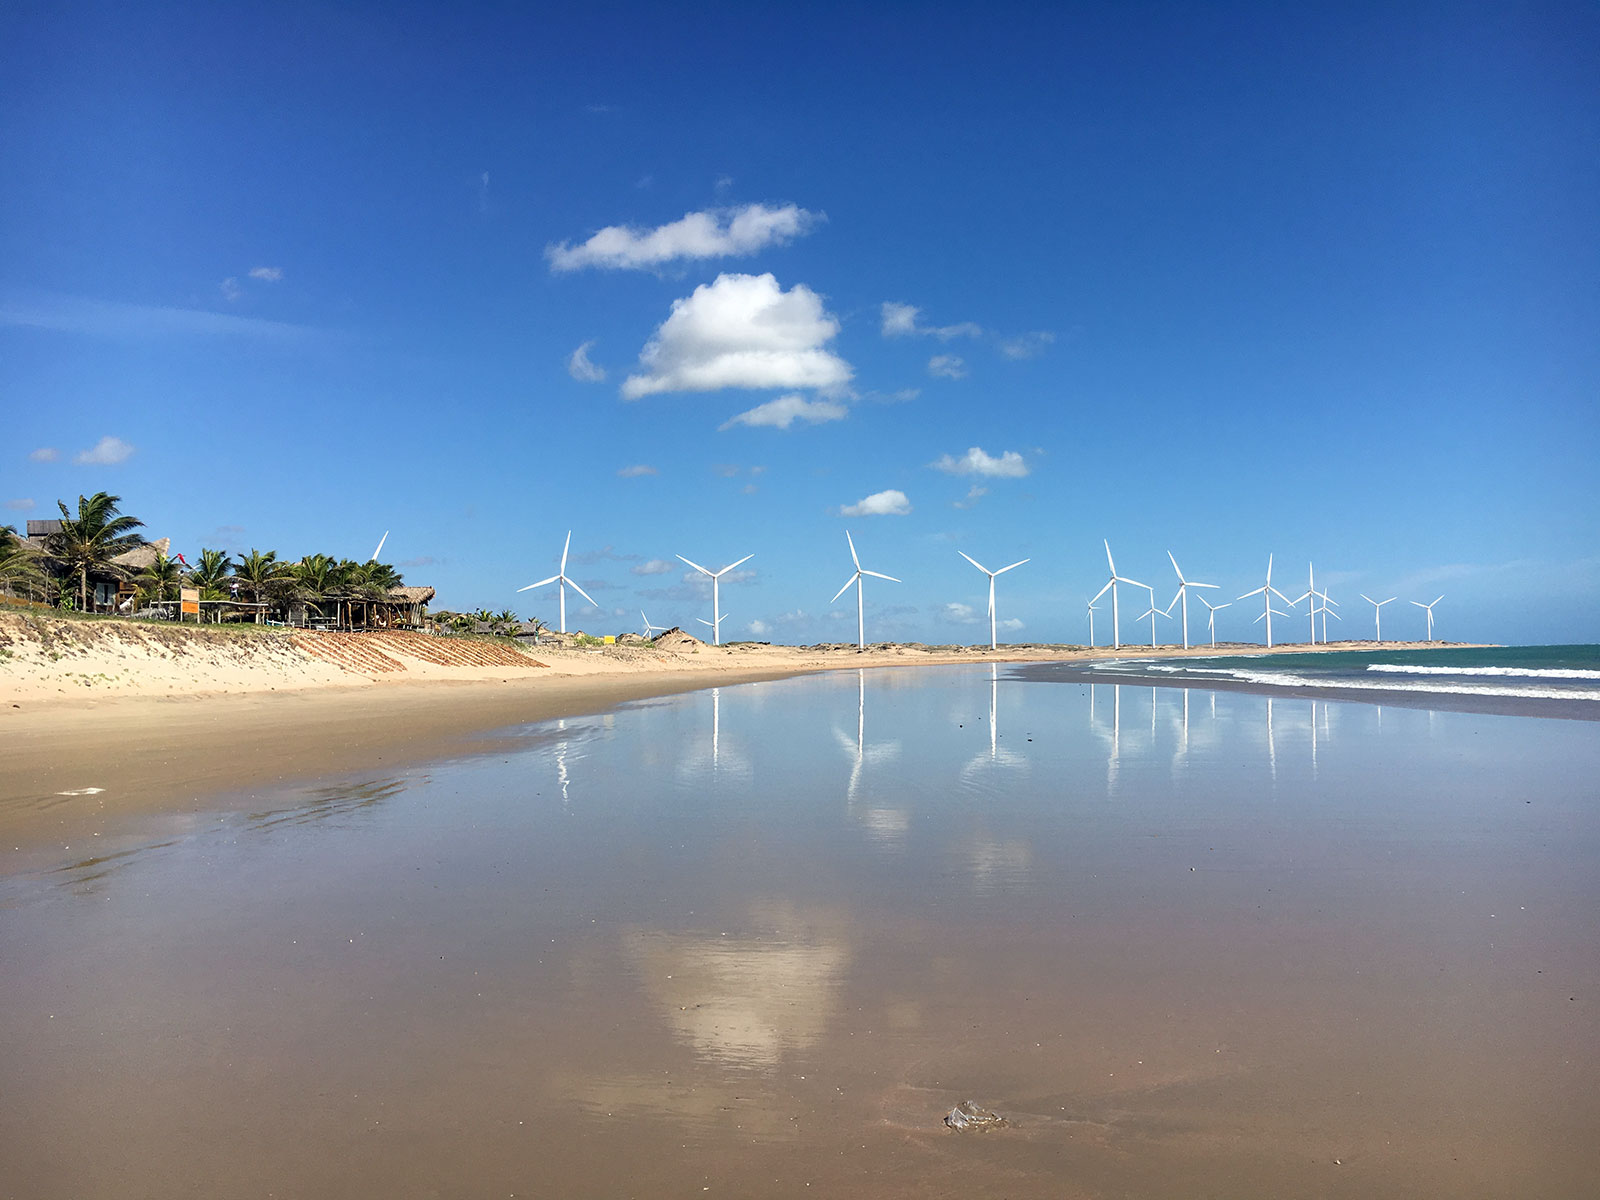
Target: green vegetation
x: 93, y: 540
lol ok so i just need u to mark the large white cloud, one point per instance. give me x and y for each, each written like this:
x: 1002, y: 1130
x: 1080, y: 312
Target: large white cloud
x: 715, y: 233
x: 741, y: 331
x: 891, y: 503
x: 786, y: 410
x: 1008, y: 465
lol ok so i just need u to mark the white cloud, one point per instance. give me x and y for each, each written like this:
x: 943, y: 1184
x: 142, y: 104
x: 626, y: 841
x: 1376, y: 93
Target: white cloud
x: 22, y: 505
x: 1009, y: 624
x: 230, y: 289
x: 637, y: 471
x: 900, y: 320
x: 758, y: 628
x: 741, y: 331
x: 965, y: 614
x: 786, y: 410
x: 1027, y: 345
x: 947, y: 366
x: 268, y: 274
x: 974, y: 494
x: 716, y: 233
x: 891, y: 503
x: 581, y: 369
x: 44, y: 454
x: 656, y: 566
x: 975, y: 461
x: 113, y: 319
x: 108, y: 451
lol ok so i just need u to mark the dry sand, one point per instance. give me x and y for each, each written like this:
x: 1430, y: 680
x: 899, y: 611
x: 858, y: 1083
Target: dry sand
x: 156, y: 718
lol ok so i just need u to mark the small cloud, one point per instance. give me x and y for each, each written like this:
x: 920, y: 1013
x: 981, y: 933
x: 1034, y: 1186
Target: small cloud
x: 656, y: 566
x: 902, y: 396
x: 947, y: 366
x: 900, y: 320
x: 272, y: 274
x: 597, y: 109
x: 726, y: 470
x: 715, y: 233
x: 962, y: 614
x: 44, y: 454
x: 1027, y: 345
x: 230, y: 289
x: 974, y: 494
x: 723, y: 183
x: 890, y: 503
x: 741, y: 331
x: 976, y: 462
x: 19, y: 505
x: 483, y: 194
x: 645, y: 182
x: 1010, y: 624
x: 425, y: 560
x: 637, y: 471
x: 606, y: 553
x: 758, y: 628
x: 581, y: 369
x: 783, y: 412
x: 749, y: 489
x: 108, y: 451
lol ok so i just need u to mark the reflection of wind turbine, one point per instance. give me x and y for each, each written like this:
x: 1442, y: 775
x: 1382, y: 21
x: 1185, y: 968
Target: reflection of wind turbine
x: 991, y: 575
x: 561, y: 578
x: 1267, y: 593
x: 1007, y: 758
x: 716, y: 602
x: 1211, y: 621
x: 1091, y: 624
x: 1377, y: 614
x: 379, y: 550
x: 861, y: 616
x: 1428, y: 608
x: 1183, y: 594
x: 1111, y: 585
x: 859, y: 751
x: 650, y: 630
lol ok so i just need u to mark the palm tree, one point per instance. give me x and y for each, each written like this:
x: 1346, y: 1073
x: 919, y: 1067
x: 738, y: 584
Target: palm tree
x: 19, y: 561
x: 93, y: 540
x: 211, y: 573
x: 262, y: 575
x: 161, y: 579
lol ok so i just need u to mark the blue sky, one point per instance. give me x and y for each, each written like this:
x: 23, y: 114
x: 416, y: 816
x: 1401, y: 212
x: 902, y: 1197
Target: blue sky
x: 1224, y: 280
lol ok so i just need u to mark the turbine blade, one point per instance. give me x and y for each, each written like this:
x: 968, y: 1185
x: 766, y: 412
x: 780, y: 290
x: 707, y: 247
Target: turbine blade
x: 974, y: 562
x: 582, y: 593
x: 845, y: 588
x: 1229, y: 604
x: 1419, y: 604
x: 1218, y: 586
x: 1247, y: 595
x: 1175, y: 568
x: 852, y: 542
x: 732, y: 565
x: 564, y: 550
x: 379, y: 550
x: 879, y: 575
x: 1109, y: 563
x: 1436, y: 599
x: 1003, y: 570
x: 1135, y: 583
x: 695, y: 565
x: 1262, y: 617
x: 1366, y: 597
x: 1175, y: 597
x: 1101, y: 592
x: 541, y: 583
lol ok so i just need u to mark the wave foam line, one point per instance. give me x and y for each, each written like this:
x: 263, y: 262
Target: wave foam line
x: 1272, y: 679
x: 1524, y: 672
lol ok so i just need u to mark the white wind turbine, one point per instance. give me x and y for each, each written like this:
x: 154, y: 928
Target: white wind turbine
x: 1111, y: 586
x: 861, y: 618
x: 1311, y: 592
x: 1091, y: 624
x: 1211, y: 620
x: 561, y: 578
x: 1328, y: 605
x: 1183, y: 594
x: 991, y: 575
x: 379, y: 550
x: 1267, y: 593
x: 1154, y: 612
x: 650, y: 630
x: 1377, y: 613
x: 1428, y: 608
x: 716, y: 602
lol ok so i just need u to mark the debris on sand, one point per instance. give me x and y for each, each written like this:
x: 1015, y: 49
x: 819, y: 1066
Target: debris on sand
x: 969, y: 1115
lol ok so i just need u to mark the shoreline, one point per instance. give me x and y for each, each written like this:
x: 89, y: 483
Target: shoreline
x: 163, y: 749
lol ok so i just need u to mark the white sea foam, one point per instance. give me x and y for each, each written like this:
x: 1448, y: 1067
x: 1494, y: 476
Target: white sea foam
x: 1274, y: 679
x: 1524, y: 672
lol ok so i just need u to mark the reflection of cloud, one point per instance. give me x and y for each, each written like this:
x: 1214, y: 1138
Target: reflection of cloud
x: 747, y: 1001
x: 889, y: 825
x: 999, y: 864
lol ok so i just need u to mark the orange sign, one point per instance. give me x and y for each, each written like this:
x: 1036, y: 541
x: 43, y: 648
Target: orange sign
x: 189, y: 602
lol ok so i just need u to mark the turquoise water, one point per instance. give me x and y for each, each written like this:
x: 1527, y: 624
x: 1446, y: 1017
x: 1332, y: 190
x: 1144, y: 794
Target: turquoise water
x: 1511, y: 673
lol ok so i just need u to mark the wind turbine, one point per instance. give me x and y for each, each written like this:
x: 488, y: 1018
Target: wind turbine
x: 1328, y: 605
x: 1091, y: 624
x: 1183, y: 593
x: 1428, y: 608
x: 716, y: 603
x: 650, y: 630
x: 561, y: 578
x: 1211, y: 621
x: 1311, y: 591
x: 861, y: 618
x: 379, y: 550
x: 1377, y: 613
x: 1116, y: 620
x: 1267, y: 593
x: 1153, y: 613
x: 991, y: 575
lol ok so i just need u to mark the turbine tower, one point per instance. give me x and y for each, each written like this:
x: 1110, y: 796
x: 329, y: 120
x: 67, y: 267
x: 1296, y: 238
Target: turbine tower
x: 861, y: 615
x: 1377, y: 614
x: 1091, y: 624
x: 1328, y: 605
x: 1183, y: 593
x: 1153, y: 613
x: 716, y: 602
x: 1211, y: 621
x: 991, y: 575
x: 1267, y: 593
x: 1428, y: 608
x: 1111, y: 586
x: 1311, y: 592
x: 561, y: 578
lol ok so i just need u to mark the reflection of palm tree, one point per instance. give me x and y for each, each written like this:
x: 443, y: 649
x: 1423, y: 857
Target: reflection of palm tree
x: 93, y: 540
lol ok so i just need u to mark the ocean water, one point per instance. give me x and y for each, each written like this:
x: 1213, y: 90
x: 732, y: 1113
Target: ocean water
x: 1442, y: 677
x: 758, y: 940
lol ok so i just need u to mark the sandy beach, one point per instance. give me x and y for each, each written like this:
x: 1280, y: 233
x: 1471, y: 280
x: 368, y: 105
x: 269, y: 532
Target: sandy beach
x: 106, y: 722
